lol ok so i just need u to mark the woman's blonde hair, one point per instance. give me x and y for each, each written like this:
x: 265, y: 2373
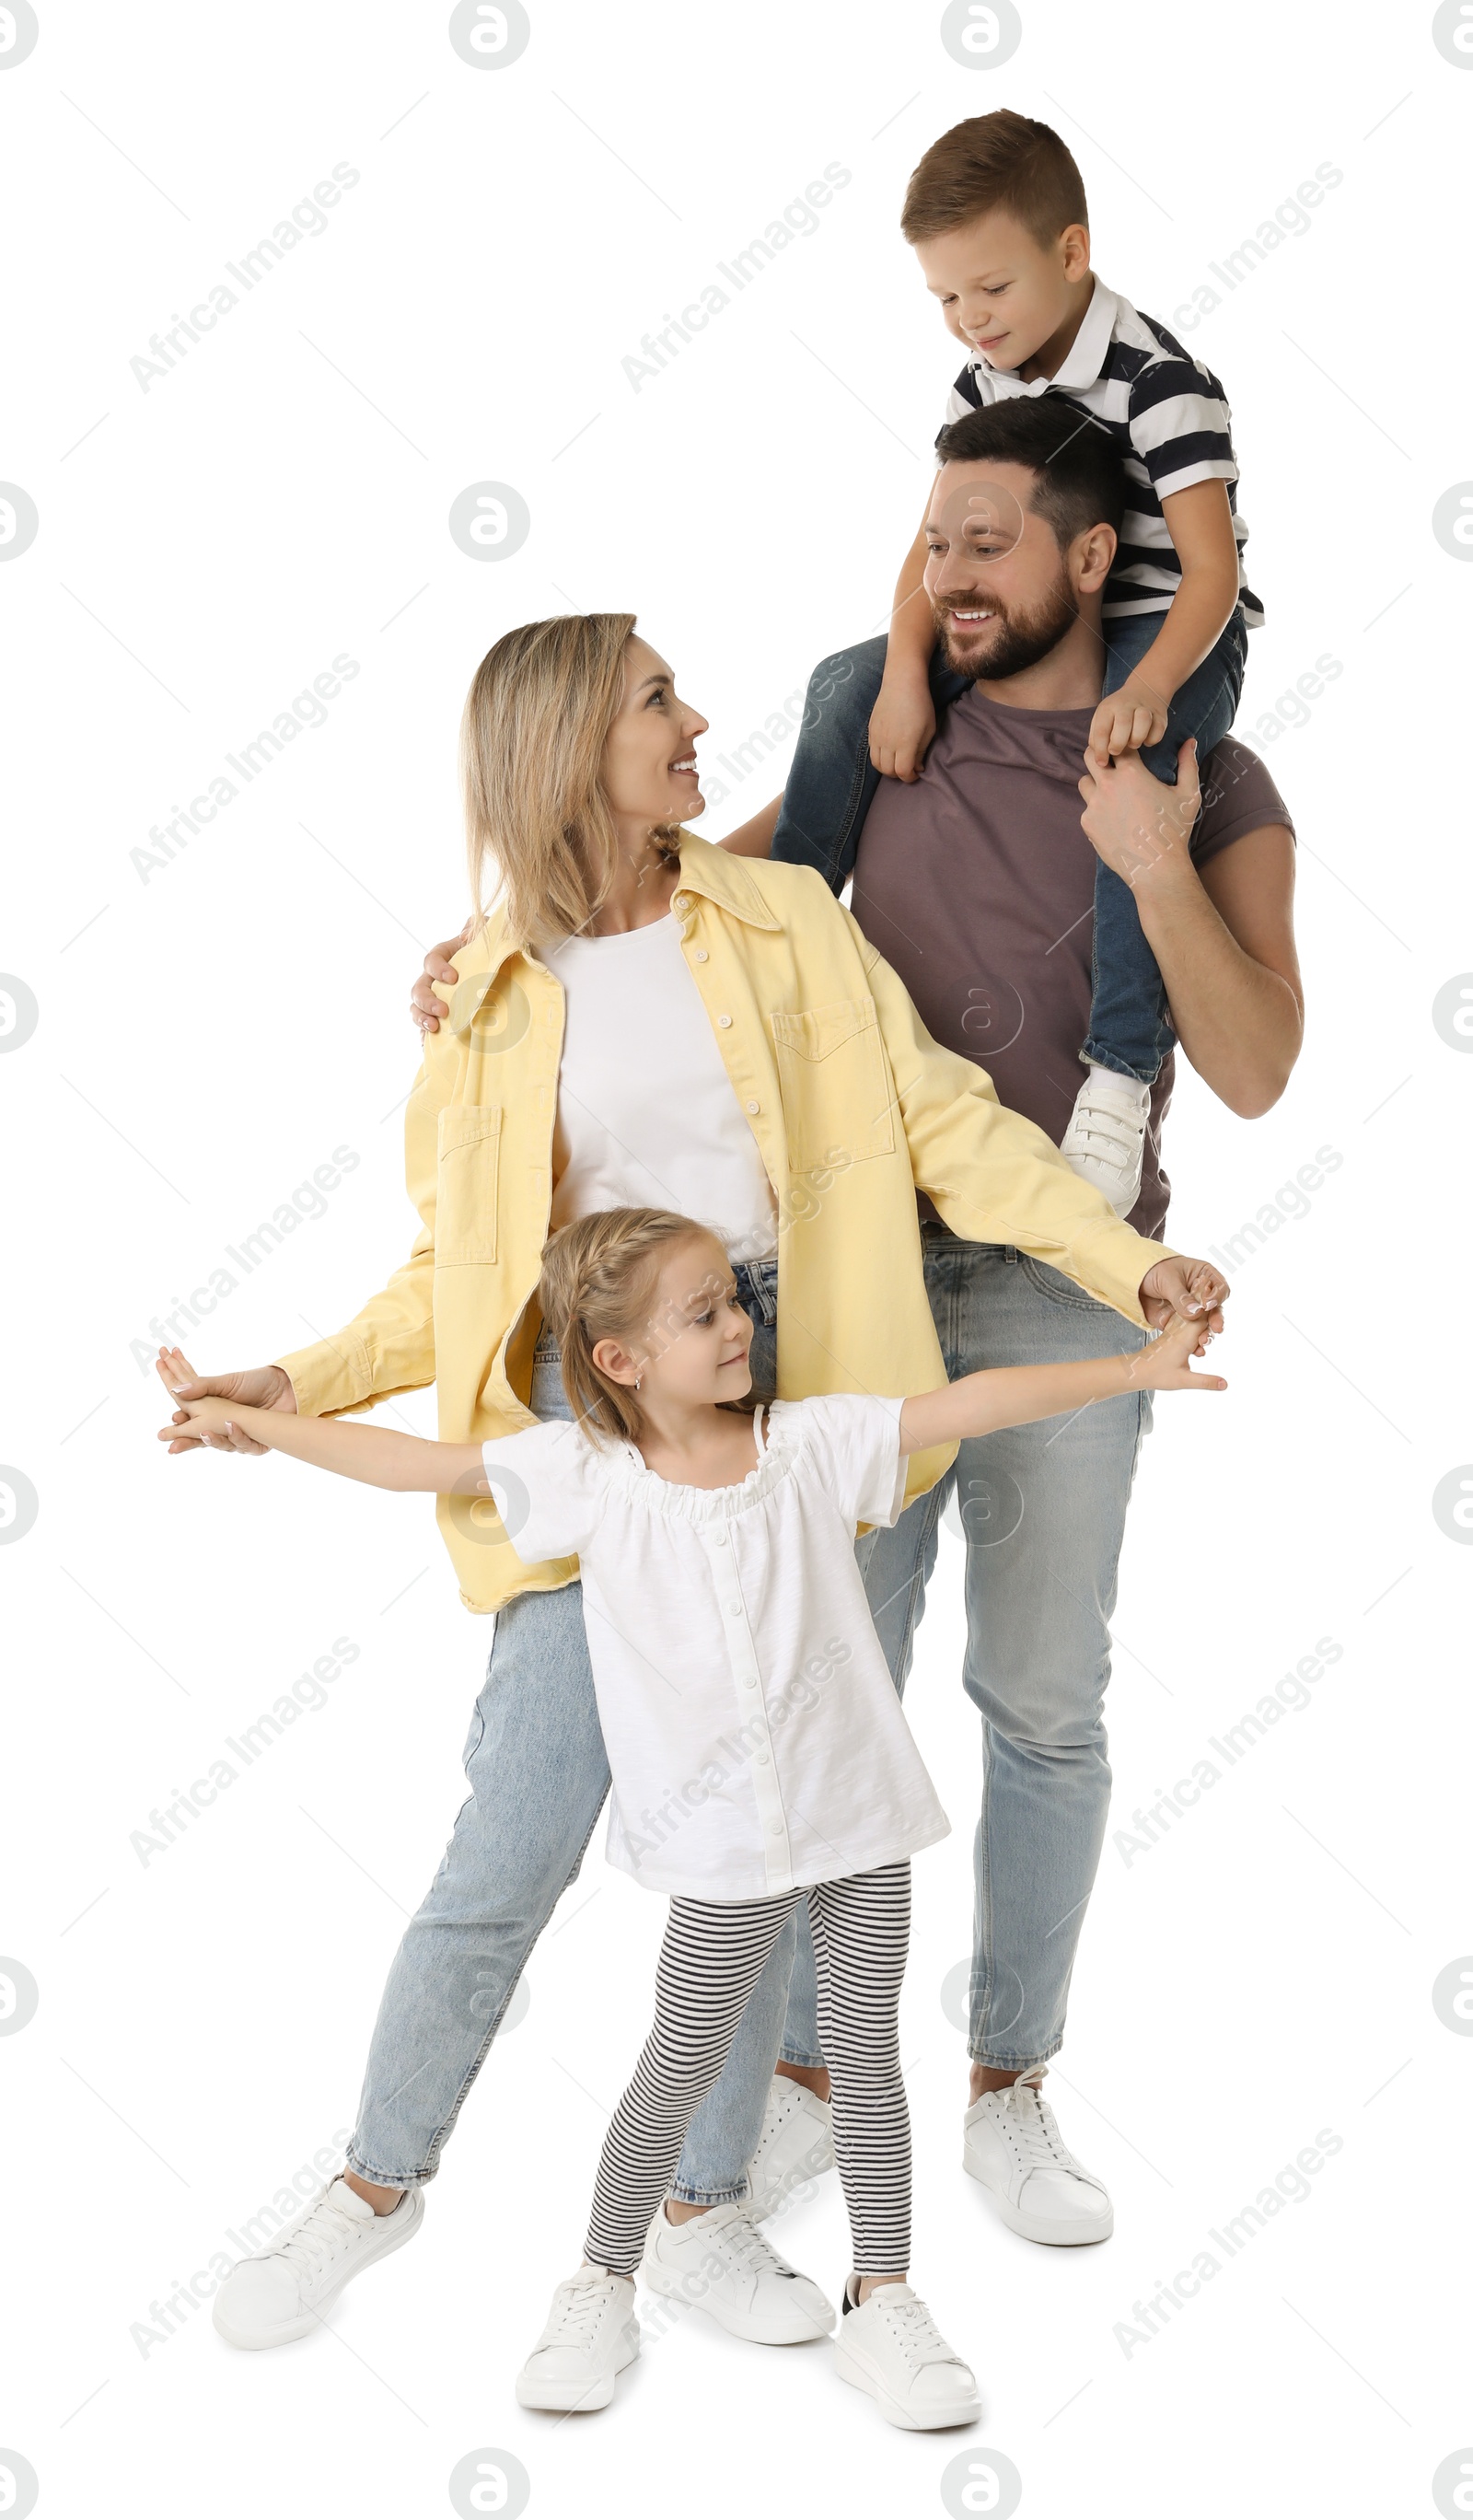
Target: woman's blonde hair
x: 598, y: 1281
x: 536, y: 720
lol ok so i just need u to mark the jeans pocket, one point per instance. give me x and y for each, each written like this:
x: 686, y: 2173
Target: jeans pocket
x: 1056, y: 1289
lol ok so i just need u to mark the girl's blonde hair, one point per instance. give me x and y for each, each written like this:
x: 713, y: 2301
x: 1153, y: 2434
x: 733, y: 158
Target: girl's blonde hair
x: 536, y: 719
x: 598, y: 1281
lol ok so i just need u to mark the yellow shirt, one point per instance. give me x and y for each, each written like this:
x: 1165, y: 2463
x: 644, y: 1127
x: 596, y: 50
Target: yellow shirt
x: 853, y: 1108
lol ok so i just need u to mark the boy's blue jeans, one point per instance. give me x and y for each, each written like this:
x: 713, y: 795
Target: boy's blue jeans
x: 832, y: 782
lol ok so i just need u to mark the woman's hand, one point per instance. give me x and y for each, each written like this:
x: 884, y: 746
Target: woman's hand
x: 261, y: 1386
x: 425, y: 1007
x: 1166, y: 1365
x: 1181, y: 1289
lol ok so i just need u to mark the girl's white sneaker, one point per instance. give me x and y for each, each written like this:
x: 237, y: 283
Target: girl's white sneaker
x: 282, y: 2292
x: 892, y: 2348
x: 591, y: 2335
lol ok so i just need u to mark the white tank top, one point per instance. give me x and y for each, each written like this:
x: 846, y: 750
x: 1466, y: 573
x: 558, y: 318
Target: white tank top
x: 647, y: 1117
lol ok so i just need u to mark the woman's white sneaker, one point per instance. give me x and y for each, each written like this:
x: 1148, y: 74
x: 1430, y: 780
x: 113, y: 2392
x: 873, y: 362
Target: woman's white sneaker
x: 1013, y: 2147
x: 892, y: 2348
x: 720, y: 2262
x: 795, y: 2146
x: 591, y: 2335
x: 282, y: 2292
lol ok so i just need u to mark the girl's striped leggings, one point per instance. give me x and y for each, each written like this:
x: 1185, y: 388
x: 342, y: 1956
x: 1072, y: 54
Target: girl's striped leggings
x: 711, y: 1958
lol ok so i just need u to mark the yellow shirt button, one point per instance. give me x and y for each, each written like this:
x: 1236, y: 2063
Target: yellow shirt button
x: 702, y: 955
x: 725, y: 1023
x: 682, y: 901
x: 754, y: 1107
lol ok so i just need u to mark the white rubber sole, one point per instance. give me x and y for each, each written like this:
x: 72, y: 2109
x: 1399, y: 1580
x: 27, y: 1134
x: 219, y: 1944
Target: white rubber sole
x: 393, y: 2237
x: 736, y: 2322
x: 560, y: 2398
x: 1029, y: 2226
x: 860, y: 2376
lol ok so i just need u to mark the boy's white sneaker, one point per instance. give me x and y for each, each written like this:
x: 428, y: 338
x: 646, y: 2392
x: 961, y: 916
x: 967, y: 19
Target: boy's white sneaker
x: 1013, y: 2147
x: 892, y: 2348
x: 795, y: 2145
x: 720, y: 2262
x: 282, y: 2292
x: 591, y: 2335
x: 1105, y: 1140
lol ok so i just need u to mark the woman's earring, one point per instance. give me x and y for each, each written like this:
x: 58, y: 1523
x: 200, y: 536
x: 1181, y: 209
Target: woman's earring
x: 638, y: 1379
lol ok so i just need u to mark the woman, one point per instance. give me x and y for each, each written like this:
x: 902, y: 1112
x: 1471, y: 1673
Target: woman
x: 623, y: 951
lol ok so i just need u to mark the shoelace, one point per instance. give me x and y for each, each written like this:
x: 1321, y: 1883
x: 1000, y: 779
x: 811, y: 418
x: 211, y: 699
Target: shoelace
x: 914, y: 2329
x: 319, y: 2237
x: 750, y: 2248
x: 1032, y: 2124
x: 578, y: 2308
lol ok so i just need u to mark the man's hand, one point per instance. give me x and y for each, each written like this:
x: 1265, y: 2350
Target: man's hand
x: 1187, y: 1290
x: 1127, y: 719
x: 1135, y: 822
x: 423, y: 1006
x: 901, y: 727
x: 260, y: 1386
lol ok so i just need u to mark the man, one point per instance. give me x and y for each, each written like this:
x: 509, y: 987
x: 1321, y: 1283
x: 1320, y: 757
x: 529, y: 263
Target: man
x: 975, y: 879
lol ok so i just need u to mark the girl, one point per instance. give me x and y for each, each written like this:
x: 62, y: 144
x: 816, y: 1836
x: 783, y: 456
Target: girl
x: 758, y: 1749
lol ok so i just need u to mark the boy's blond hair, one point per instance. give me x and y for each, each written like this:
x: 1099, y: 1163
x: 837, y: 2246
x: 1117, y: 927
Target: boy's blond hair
x: 598, y: 1281
x: 536, y: 719
x: 996, y: 162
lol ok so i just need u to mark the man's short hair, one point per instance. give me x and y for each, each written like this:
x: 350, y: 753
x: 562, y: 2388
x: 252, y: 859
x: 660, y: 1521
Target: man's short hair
x: 1081, y: 480
x: 996, y: 162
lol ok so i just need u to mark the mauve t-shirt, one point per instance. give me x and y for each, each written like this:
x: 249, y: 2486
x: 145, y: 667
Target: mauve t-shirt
x: 977, y: 885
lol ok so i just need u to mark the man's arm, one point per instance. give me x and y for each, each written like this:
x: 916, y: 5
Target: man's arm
x: 1224, y: 938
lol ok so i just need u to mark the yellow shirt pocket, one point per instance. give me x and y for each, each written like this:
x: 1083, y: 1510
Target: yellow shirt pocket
x: 838, y: 1100
x: 469, y: 1165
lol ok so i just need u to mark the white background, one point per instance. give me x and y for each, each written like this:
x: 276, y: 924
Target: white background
x: 208, y: 1036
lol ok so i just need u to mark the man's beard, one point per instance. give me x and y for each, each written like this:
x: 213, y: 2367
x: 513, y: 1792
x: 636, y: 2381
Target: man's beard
x: 1019, y: 640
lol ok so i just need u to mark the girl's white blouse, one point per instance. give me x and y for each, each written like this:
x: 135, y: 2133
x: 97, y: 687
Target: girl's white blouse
x: 754, y: 1736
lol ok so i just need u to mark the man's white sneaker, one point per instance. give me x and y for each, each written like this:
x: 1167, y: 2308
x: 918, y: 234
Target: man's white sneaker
x: 892, y: 2348
x: 795, y: 2145
x: 718, y: 2262
x: 1013, y: 2147
x: 283, y: 2291
x: 591, y: 2335
x: 1105, y: 1140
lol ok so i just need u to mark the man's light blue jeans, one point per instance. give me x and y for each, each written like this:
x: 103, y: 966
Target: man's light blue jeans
x: 1043, y: 1513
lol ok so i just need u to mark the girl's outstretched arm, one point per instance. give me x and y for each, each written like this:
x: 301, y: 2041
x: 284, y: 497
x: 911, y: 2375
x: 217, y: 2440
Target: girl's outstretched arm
x: 377, y: 1456
x: 1014, y: 1395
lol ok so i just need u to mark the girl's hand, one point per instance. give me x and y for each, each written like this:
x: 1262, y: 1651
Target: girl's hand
x: 1166, y: 1365
x: 263, y: 1386
x: 196, y: 1419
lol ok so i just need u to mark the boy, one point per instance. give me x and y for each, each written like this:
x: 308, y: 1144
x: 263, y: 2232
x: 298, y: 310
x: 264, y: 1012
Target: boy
x: 995, y: 211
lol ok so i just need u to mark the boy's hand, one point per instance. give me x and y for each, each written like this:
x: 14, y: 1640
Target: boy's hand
x: 261, y: 1386
x: 901, y: 727
x: 1127, y: 719
x: 1186, y: 1290
x: 1166, y: 1365
x: 423, y: 1006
